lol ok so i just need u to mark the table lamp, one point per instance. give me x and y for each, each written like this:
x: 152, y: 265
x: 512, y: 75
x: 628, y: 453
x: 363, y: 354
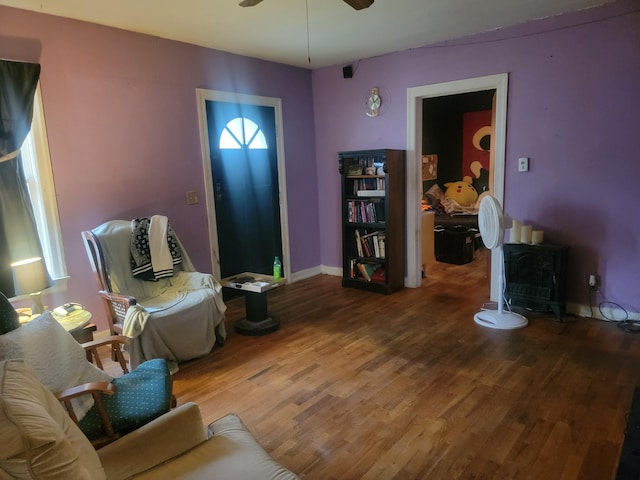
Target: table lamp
x: 30, y: 277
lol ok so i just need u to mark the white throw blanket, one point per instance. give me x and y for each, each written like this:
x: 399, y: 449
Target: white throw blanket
x: 137, y: 315
x: 161, y: 259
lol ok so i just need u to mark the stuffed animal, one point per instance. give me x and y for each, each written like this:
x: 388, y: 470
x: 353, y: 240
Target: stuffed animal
x: 462, y: 192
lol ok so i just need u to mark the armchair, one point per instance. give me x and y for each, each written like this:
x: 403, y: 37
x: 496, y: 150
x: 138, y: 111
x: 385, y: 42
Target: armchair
x: 105, y: 408
x: 40, y: 441
x: 178, y: 318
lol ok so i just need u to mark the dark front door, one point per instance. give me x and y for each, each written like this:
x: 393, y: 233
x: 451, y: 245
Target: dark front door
x: 244, y: 167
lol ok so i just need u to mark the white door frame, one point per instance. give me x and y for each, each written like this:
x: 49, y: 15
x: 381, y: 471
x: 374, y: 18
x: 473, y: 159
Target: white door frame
x: 415, y: 95
x: 204, y: 95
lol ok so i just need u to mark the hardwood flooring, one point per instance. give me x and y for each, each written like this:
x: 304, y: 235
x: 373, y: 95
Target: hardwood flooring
x: 357, y: 385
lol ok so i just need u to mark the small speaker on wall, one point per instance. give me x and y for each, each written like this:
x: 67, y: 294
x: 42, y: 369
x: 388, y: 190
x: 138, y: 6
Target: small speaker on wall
x: 347, y: 72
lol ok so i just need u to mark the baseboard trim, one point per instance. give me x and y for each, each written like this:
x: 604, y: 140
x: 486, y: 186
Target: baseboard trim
x: 307, y: 273
x: 608, y: 314
x: 579, y: 310
x: 335, y: 271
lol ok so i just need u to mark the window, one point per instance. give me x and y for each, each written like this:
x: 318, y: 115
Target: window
x: 240, y: 132
x: 37, y: 169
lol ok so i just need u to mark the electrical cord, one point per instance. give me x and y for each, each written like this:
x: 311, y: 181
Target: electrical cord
x: 602, y: 305
x: 624, y: 323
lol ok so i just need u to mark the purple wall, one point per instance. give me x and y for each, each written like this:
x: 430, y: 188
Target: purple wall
x: 123, y: 133
x: 573, y: 108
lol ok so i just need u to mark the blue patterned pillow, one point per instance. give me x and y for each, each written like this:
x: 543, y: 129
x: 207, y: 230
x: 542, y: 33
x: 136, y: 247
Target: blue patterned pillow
x: 141, y: 396
x: 8, y: 316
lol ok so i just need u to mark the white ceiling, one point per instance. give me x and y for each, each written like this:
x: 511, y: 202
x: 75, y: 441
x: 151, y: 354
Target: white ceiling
x: 276, y: 30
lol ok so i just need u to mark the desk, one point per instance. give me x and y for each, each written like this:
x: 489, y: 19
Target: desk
x: 428, y: 251
x: 254, y: 286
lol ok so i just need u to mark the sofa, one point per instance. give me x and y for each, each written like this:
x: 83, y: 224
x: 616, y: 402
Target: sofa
x: 40, y: 441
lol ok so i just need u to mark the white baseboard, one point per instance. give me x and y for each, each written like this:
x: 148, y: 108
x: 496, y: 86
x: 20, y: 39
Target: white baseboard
x: 605, y: 313
x: 313, y: 271
x: 577, y: 309
x: 302, y: 274
x: 335, y: 271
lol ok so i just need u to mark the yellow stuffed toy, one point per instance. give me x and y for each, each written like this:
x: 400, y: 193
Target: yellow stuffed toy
x: 462, y: 192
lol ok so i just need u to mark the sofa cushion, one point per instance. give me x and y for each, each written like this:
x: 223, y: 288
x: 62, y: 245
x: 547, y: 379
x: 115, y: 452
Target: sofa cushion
x: 39, y: 440
x: 158, y: 441
x: 232, y: 453
x: 57, y: 359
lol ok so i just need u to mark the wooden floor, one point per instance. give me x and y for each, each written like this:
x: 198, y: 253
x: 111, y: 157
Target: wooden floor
x: 357, y: 385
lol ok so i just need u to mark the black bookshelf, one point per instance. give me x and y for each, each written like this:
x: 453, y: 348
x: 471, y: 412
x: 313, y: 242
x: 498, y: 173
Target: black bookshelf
x: 373, y: 219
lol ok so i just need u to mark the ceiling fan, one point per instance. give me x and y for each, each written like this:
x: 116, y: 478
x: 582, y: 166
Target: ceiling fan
x: 356, y: 4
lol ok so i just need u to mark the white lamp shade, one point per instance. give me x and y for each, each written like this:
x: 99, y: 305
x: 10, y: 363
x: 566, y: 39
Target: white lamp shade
x: 30, y: 276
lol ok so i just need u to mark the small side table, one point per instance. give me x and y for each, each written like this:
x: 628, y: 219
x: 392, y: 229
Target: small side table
x: 74, y: 321
x: 84, y: 334
x: 77, y: 323
x: 255, y: 287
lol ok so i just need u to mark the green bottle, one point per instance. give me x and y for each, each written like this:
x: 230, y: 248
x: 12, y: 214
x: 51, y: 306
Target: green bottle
x: 277, y: 269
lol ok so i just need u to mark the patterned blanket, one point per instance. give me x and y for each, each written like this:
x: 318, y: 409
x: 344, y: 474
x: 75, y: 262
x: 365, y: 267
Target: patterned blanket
x: 154, y: 249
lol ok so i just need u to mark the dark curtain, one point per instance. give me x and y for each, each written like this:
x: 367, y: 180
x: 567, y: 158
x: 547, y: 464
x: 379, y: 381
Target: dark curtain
x: 18, y: 233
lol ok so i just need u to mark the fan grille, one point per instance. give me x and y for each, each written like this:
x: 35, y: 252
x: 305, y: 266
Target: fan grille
x: 490, y: 222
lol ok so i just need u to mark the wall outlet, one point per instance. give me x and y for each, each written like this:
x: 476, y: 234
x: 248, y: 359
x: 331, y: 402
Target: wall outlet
x: 523, y: 164
x: 593, y: 281
x: 192, y: 197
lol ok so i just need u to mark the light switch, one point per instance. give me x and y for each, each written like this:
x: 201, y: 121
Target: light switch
x: 523, y: 164
x: 192, y: 197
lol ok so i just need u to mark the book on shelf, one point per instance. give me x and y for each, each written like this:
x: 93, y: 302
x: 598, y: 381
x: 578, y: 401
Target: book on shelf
x: 371, y: 193
x: 365, y: 211
x: 372, y: 184
x: 370, y: 244
x: 370, y: 272
x: 378, y: 275
x: 359, y: 244
x: 364, y: 271
x: 373, y: 187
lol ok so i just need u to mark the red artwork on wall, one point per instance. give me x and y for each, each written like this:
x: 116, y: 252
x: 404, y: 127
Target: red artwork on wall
x: 476, y: 141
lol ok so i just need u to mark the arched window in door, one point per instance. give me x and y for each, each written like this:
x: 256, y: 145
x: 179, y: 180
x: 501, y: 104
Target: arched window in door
x: 242, y: 132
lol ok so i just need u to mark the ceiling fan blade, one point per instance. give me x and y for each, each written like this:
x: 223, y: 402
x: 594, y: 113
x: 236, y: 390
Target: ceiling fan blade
x: 359, y: 4
x: 249, y: 3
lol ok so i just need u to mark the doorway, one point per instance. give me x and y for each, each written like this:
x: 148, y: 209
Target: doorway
x: 415, y: 100
x: 244, y: 182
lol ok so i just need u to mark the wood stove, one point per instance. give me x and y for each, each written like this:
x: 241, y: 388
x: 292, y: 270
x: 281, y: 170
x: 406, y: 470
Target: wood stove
x: 535, y: 276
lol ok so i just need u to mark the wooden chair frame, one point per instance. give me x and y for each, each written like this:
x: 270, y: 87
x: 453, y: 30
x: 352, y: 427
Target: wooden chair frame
x: 115, y: 304
x: 97, y: 389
